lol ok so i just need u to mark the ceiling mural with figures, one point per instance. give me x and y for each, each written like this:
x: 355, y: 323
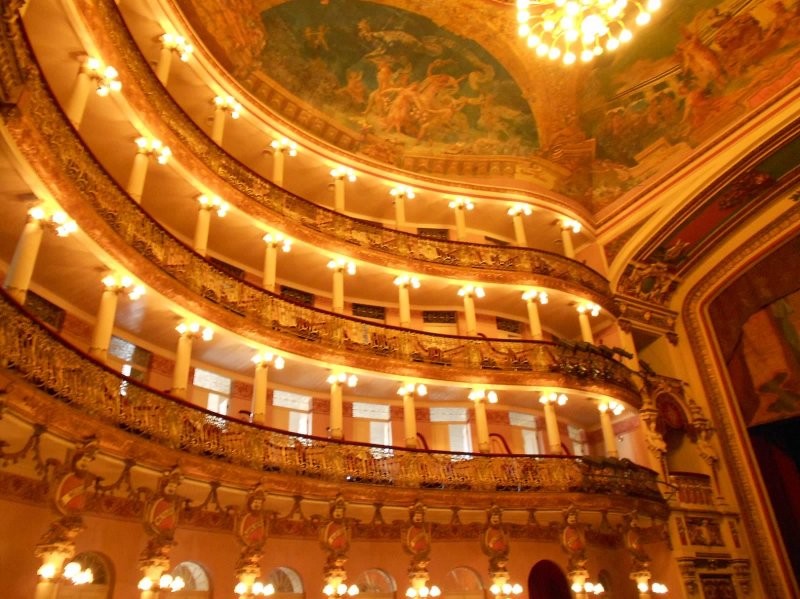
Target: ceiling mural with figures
x: 392, y: 81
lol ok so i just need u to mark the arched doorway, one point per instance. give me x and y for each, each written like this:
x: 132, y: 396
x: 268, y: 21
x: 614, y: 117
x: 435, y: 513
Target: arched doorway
x: 547, y: 581
x: 463, y: 583
x: 195, y: 577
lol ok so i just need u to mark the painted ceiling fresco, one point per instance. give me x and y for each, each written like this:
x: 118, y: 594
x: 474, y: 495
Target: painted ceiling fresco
x: 393, y: 86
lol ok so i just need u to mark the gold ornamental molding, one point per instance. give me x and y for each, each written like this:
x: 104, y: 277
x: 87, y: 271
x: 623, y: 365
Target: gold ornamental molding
x: 44, y: 137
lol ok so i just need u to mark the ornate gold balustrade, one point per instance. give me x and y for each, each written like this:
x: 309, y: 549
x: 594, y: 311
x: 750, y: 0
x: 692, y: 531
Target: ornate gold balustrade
x: 52, y: 147
x: 175, y: 128
x: 31, y: 351
x: 692, y: 488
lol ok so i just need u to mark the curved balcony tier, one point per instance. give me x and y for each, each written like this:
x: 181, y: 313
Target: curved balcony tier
x: 305, y: 220
x: 94, y: 395
x: 105, y: 212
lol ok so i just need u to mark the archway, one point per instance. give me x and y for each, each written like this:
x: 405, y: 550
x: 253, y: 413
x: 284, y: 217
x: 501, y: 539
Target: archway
x: 195, y: 577
x: 463, y: 583
x: 102, y: 574
x: 547, y: 581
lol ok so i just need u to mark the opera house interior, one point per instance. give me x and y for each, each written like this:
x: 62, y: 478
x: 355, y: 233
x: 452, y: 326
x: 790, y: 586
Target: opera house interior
x: 479, y: 299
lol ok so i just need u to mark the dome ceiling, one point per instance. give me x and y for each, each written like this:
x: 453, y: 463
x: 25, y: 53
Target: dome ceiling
x: 447, y: 89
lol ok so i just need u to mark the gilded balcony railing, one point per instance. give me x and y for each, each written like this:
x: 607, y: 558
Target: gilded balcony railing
x: 51, y: 144
x: 31, y: 351
x: 545, y: 267
x: 692, y: 488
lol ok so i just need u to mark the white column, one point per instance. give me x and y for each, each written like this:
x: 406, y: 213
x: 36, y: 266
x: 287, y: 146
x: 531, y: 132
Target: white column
x: 164, y: 63
x: 481, y: 425
x: 183, y: 360
x: 280, y: 148
x: 339, y: 266
x: 586, y: 327
x: 519, y: 230
x: 171, y: 44
x: 79, y: 98
x: 270, y: 267
x: 551, y: 426
x: 20, y: 271
x: 263, y: 361
x: 468, y: 292
x: 403, y: 283
x: 338, y: 290
x: 609, y: 439
x: 400, y: 193
x: 461, y: 225
x: 340, y: 174
x: 138, y: 175
x: 272, y: 241
x: 405, y: 305
x: 469, y: 314
x: 410, y: 419
x: 549, y: 401
x: 533, y: 319
x: 566, y: 240
x: 218, y: 125
x: 104, y: 325
x: 337, y: 411
x: 460, y: 205
x: 400, y: 210
x: 259, y: 407
x: 201, y: 229
x: 516, y: 212
x: 278, y: 166
x: 338, y: 194
x: 568, y: 227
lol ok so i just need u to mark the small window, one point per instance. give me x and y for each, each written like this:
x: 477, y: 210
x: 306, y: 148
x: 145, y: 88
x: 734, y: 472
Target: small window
x: 285, y: 580
x: 368, y: 311
x: 448, y: 414
x: 297, y: 296
x: 136, y: 361
x: 293, y: 401
x: 371, y: 411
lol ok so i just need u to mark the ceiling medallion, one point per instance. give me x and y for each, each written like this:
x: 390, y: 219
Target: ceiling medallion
x: 572, y: 29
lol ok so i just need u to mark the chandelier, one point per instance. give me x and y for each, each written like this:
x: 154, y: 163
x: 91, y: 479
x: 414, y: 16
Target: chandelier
x: 572, y: 29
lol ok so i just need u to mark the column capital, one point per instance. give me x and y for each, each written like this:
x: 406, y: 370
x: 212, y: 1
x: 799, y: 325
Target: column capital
x: 337, y: 379
x: 406, y: 281
x: 520, y: 210
x: 284, y: 146
x: 410, y: 389
x: 342, y: 265
x: 459, y: 203
x: 570, y: 224
x: 278, y: 239
x: 553, y: 398
x: 117, y: 284
x: 267, y: 359
x: 402, y: 192
x: 229, y: 105
x: 63, y: 225
x: 471, y: 291
x: 194, y: 329
x: 532, y: 295
x: 588, y: 308
x: 213, y: 203
x: 105, y: 77
x: 340, y: 173
x: 483, y: 395
x: 178, y: 45
x: 150, y: 146
x: 610, y: 405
